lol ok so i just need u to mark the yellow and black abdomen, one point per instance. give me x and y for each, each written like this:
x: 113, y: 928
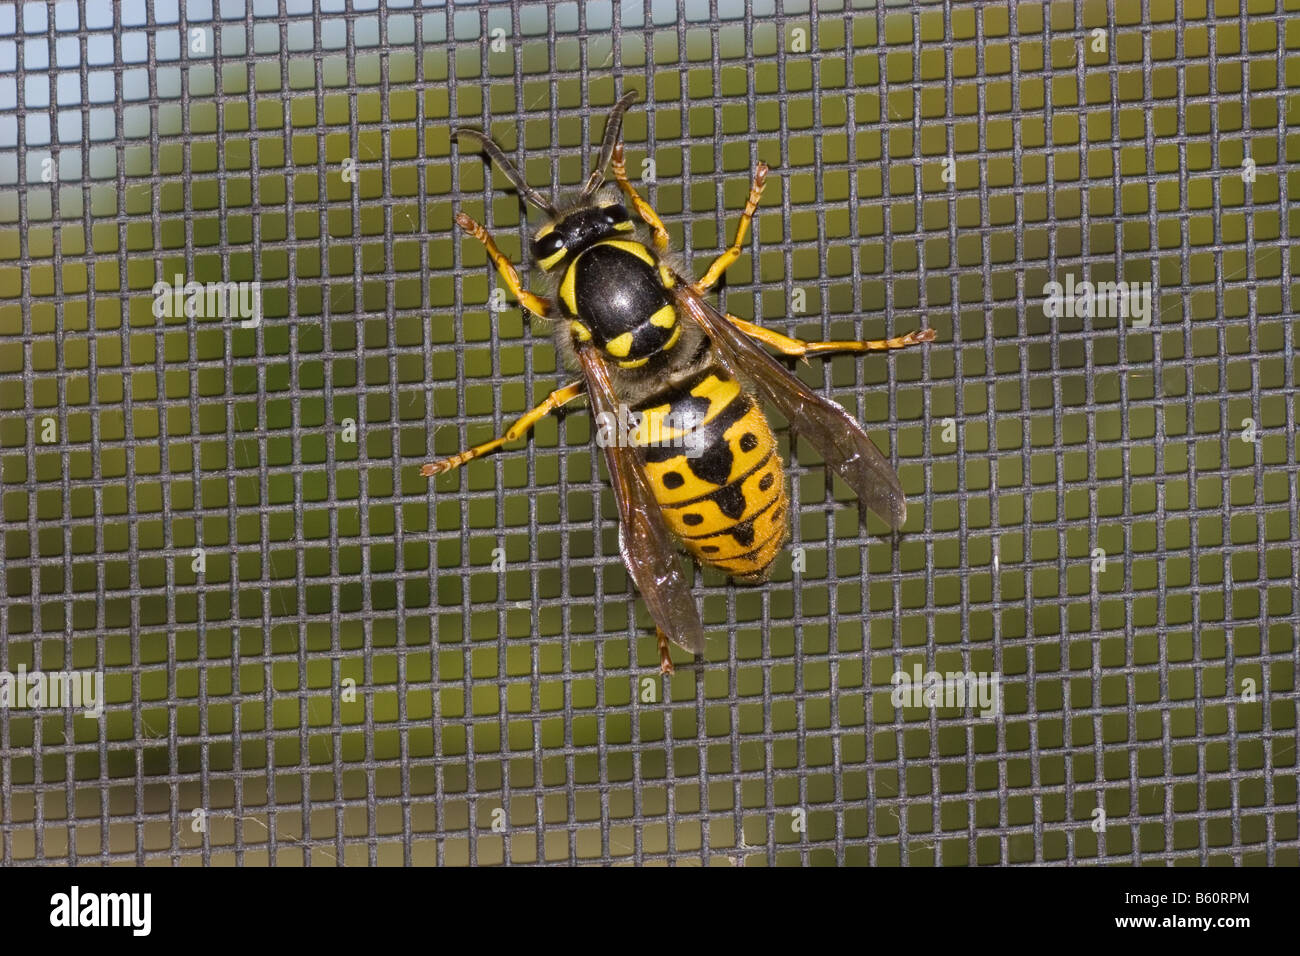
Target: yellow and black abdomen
x: 716, y: 471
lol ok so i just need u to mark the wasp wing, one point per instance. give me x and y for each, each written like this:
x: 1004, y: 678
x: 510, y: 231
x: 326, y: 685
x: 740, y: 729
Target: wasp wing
x: 649, y: 549
x: 827, y: 427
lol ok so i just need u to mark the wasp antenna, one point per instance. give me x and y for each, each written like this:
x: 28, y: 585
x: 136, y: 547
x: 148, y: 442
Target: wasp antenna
x: 494, y: 153
x: 613, y: 126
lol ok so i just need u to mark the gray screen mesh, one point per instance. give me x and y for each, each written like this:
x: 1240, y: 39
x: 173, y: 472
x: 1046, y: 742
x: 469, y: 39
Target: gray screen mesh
x: 311, y: 655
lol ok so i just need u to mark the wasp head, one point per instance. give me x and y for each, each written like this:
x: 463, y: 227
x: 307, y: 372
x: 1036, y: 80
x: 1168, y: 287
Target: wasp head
x: 576, y: 230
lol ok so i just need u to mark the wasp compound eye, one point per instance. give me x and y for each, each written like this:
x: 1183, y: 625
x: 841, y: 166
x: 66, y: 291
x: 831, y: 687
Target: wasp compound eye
x: 615, y: 213
x: 549, y: 245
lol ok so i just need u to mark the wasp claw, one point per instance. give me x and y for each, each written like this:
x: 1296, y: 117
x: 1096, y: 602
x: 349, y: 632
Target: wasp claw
x: 665, y: 661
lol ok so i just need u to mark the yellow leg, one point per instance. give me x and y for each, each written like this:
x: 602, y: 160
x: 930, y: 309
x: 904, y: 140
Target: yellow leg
x: 643, y: 208
x: 724, y: 261
x: 798, y: 348
x: 518, y: 430
x: 665, y: 659
x: 533, y: 303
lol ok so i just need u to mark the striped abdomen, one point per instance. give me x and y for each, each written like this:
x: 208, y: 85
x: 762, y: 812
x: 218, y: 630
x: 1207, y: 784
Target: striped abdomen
x: 716, y: 471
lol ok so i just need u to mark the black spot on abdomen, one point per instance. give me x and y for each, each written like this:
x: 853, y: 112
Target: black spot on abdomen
x: 708, y: 453
x: 714, y: 464
x: 730, y: 500
x: 743, y: 533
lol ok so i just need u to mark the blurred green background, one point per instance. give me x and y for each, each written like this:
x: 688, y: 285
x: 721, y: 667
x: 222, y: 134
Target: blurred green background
x: 516, y: 714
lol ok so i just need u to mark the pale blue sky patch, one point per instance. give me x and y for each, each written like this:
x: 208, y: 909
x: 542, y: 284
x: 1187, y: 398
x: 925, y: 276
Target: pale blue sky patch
x: 34, y: 18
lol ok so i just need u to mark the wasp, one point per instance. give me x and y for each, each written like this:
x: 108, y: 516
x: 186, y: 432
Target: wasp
x: 701, y: 469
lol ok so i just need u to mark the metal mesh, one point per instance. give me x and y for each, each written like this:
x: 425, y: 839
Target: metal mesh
x: 354, y: 676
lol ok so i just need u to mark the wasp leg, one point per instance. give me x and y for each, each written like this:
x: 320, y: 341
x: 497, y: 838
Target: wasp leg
x: 520, y: 428
x: 665, y: 660
x: 533, y: 303
x: 643, y: 208
x: 798, y: 348
x: 724, y: 261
